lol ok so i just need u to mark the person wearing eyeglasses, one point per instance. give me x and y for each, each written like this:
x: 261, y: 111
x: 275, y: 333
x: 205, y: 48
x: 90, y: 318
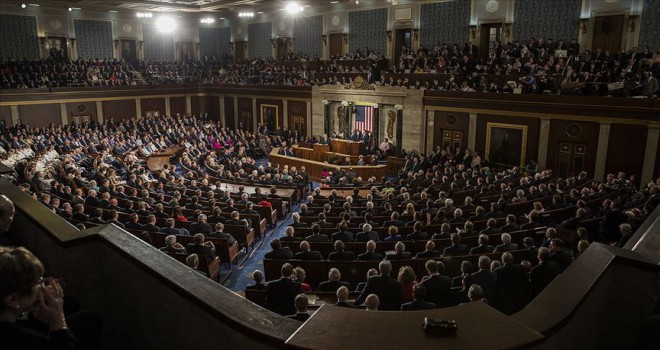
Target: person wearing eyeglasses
x: 22, y: 290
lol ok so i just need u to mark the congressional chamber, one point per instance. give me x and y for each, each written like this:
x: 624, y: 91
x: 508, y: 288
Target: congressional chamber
x: 319, y: 174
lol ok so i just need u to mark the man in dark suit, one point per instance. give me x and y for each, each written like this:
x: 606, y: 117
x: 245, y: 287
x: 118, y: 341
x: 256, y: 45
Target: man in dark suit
x: 559, y: 255
x: 512, y: 286
x: 437, y: 286
x: 485, y: 278
x: 340, y: 254
x: 419, y: 293
x: 280, y: 294
x: 333, y: 283
x: 609, y: 226
x: 296, y: 221
x: 201, y: 226
x: 151, y: 224
x: 290, y: 235
x: 132, y: 223
x: 343, y: 234
x: 307, y: 254
x: 511, y: 224
x: 418, y: 234
x: 367, y: 234
x: 483, y: 247
x: 322, y: 222
x: 200, y: 247
x: 385, y: 287
x: 400, y: 252
x: 429, y: 252
x: 278, y: 252
x: 542, y: 274
x: 301, y: 303
x: 316, y: 235
x: 342, y: 296
x: 219, y: 233
x: 80, y: 215
x: 491, y: 227
x: 171, y: 230
x: 171, y: 246
x: 456, y: 248
x: 506, y: 245
x: 258, y: 278
x: 370, y: 254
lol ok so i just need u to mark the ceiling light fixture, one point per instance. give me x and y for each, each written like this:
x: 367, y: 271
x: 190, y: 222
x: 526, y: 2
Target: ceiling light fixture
x: 246, y: 14
x: 293, y: 8
x: 23, y: 6
x: 207, y: 20
x: 165, y: 24
x: 144, y: 14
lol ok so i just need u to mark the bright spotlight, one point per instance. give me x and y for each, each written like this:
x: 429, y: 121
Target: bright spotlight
x: 207, y: 20
x: 293, y: 8
x: 70, y: 9
x: 246, y: 14
x: 165, y: 24
x: 23, y: 6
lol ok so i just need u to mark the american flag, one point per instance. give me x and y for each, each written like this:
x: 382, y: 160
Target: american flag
x: 364, y: 118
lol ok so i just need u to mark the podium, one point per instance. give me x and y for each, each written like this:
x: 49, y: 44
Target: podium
x: 351, y: 148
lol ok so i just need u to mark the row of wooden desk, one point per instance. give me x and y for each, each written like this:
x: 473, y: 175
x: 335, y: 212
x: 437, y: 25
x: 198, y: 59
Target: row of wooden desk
x: 315, y: 168
x: 347, y: 147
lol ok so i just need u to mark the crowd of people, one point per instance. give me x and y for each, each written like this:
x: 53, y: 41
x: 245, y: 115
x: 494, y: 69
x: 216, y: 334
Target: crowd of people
x: 531, y: 66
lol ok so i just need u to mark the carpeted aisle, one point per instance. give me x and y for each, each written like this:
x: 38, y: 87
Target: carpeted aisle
x: 238, y: 279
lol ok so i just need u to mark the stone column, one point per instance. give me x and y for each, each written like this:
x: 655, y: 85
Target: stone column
x: 15, y: 115
x: 285, y: 114
x: 601, y: 152
x: 63, y: 116
x: 309, y: 118
x: 188, y: 105
x: 138, y: 108
x: 326, y: 117
x: 99, y: 112
x: 375, y: 135
x: 399, y: 129
x: 650, y: 154
x: 345, y: 110
x: 222, y: 118
x: 472, y: 132
x: 236, y: 112
x: 544, y: 137
x: 168, y: 106
x: 254, y: 115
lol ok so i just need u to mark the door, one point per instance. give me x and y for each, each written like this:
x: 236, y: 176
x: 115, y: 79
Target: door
x: 57, y: 49
x: 489, y: 34
x: 239, y: 50
x: 571, y: 158
x: 336, y: 44
x: 185, y: 50
x: 128, y: 50
x: 608, y: 33
x: 402, y: 41
x: 282, y: 47
x: 269, y: 117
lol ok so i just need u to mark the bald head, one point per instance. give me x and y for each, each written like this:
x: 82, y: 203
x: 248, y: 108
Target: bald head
x: 6, y: 213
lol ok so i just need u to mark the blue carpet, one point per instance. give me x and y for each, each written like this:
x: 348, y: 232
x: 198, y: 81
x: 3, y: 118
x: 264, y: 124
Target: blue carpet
x: 238, y: 279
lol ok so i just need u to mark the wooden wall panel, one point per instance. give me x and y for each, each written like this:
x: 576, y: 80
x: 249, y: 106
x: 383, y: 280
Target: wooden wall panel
x: 178, y: 105
x: 297, y: 109
x: 443, y: 121
x: 625, y: 151
x: 205, y: 104
x: 229, y: 112
x: 5, y: 115
x: 118, y: 110
x: 245, y: 113
x: 81, y: 109
x: 280, y: 110
x: 40, y: 115
x: 559, y: 132
x: 532, y: 132
x: 152, y: 104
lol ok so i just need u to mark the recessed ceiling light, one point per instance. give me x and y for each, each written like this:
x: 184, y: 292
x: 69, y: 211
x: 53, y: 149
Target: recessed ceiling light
x: 260, y: 12
x: 114, y: 11
x: 334, y: 2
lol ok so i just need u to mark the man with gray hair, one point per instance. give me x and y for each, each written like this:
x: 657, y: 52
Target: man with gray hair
x: 367, y: 234
x: 370, y: 254
x: 385, y: 287
x: 201, y: 226
x: 342, y: 297
x: 506, y: 245
x: 372, y: 302
x: 258, y: 278
x: 512, y: 286
x: 333, y: 283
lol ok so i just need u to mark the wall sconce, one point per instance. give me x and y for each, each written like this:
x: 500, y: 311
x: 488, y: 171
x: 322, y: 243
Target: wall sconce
x: 389, y: 36
x: 633, y: 22
x: 473, y: 31
x: 583, y: 24
x: 325, y: 39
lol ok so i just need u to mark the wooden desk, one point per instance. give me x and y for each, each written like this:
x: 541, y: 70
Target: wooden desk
x: 317, y: 147
x: 317, y: 154
x: 156, y: 161
x: 314, y: 168
x: 479, y: 327
x: 346, y: 146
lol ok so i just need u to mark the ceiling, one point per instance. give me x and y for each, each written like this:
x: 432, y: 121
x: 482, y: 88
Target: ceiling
x: 228, y: 8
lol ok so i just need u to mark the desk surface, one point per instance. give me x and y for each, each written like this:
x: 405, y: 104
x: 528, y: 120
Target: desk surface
x: 479, y: 327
